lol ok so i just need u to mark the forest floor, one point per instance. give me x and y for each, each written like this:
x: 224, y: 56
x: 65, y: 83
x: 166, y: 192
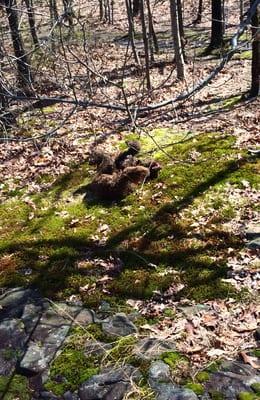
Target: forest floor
x: 178, y: 240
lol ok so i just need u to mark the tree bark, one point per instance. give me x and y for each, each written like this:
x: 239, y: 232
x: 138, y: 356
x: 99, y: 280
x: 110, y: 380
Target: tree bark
x: 131, y: 30
x: 68, y: 11
x: 175, y: 23
x: 53, y: 11
x: 199, y: 14
x: 218, y: 24
x: 31, y: 20
x: 255, y: 66
x: 23, y: 68
x: 146, y: 45
x: 136, y: 7
x: 241, y: 7
x: 151, y: 27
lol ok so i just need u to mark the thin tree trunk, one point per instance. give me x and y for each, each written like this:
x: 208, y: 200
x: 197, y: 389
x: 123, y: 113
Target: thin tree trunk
x: 136, y: 7
x: 112, y: 12
x: 151, y: 27
x: 179, y: 59
x: 255, y: 68
x: 54, y: 15
x: 218, y: 24
x: 199, y: 14
x: 146, y: 45
x: 181, y: 28
x: 23, y: 68
x: 131, y: 30
x: 101, y: 10
x: 31, y: 20
x: 68, y: 11
x: 241, y: 7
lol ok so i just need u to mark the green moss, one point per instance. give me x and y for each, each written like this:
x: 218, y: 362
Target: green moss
x: 173, y: 359
x: 142, y: 230
x: 256, y: 387
x: 244, y: 55
x: 168, y: 312
x: 122, y: 350
x: 140, y: 284
x: 256, y: 353
x: 197, y: 388
x: 246, y: 396
x: 202, y: 376
x: 95, y: 331
x: 215, y: 395
x: 74, y: 368
x: 214, y: 366
x: 17, y: 388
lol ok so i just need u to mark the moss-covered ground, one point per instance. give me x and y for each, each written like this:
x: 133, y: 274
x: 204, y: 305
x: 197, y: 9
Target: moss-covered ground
x: 176, y: 223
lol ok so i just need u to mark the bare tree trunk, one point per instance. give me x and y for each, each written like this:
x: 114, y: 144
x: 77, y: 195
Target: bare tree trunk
x: 101, y: 10
x: 146, y: 45
x: 152, y: 33
x: 183, y: 40
x: 175, y: 23
x: 112, y: 12
x: 68, y: 11
x: 31, y: 20
x: 23, y: 68
x: 136, y: 7
x: 54, y: 15
x: 218, y: 24
x: 255, y: 68
x: 131, y: 30
x: 241, y: 7
x: 199, y: 14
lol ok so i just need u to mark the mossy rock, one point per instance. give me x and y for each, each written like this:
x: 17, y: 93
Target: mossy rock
x: 256, y: 353
x: 17, y: 387
x: 202, y: 376
x: 215, y: 395
x: 141, y: 229
x: 173, y: 359
x: 256, y: 388
x: 247, y: 396
x: 197, y: 388
x: 74, y: 368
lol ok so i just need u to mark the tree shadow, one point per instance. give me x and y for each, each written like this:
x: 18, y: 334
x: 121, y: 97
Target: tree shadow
x: 178, y: 205
x: 54, y: 260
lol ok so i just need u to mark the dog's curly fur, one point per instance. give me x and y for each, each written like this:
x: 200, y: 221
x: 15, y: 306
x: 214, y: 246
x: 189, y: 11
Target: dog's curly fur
x: 119, y: 184
x: 123, y: 158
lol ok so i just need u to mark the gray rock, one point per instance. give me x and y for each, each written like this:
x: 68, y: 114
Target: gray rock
x: 48, y: 396
x: 51, y: 330
x: 237, y: 368
x: 94, y: 347
x: 31, y: 316
x: 110, y: 385
x: 46, y: 339
x: 149, y: 348
x: 119, y: 325
x: 13, y: 301
x: 159, y: 372
x: 34, y: 359
x: 189, y: 311
x: 12, y: 342
x: 230, y: 384
x: 254, y: 244
x: 70, y: 396
x: 205, y: 396
x: 168, y: 391
x: 74, y: 313
x: 253, y: 231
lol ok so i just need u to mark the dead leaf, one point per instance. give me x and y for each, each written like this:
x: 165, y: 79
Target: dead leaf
x: 250, y: 360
